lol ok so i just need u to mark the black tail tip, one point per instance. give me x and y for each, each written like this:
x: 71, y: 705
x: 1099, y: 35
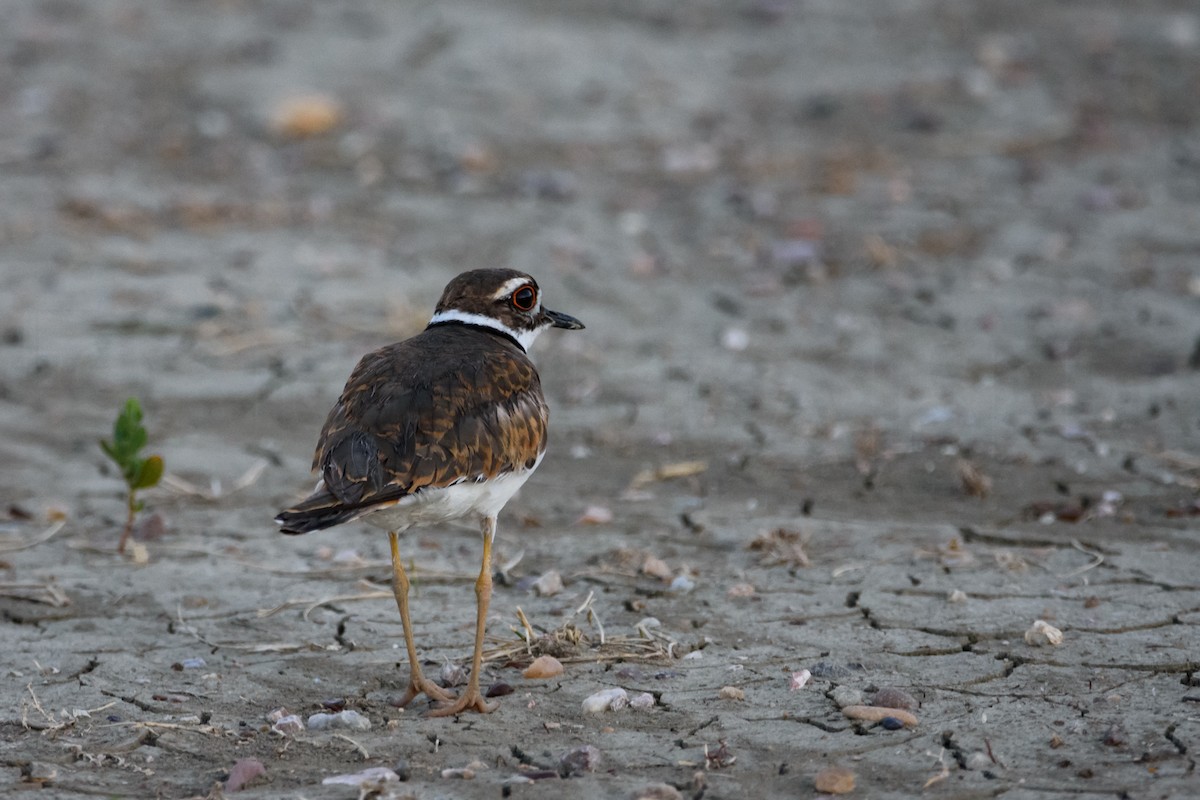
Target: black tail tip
x: 293, y: 521
x: 292, y: 524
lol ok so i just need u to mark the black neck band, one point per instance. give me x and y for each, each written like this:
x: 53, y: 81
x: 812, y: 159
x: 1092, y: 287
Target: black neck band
x: 475, y: 327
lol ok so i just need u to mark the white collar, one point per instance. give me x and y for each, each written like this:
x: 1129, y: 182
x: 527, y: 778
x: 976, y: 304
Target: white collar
x: 523, y: 338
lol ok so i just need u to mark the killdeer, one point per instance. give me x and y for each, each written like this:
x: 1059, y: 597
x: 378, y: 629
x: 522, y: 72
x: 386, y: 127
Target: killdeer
x: 446, y: 425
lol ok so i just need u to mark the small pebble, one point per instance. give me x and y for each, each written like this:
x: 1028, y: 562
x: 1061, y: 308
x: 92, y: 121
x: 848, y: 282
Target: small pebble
x: 799, y: 680
x: 307, y: 115
x: 243, y: 772
x: 289, y: 725
x: 580, y: 760
x: 605, y: 700
x: 735, y: 339
x: 731, y: 693
x: 194, y: 663
x: 543, y: 667
x: 682, y: 584
x: 656, y: 568
x: 891, y: 723
x: 452, y: 674
x: 350, y: 720
x: 835, y: 780
x: 277, y: 714
x: 642, y: 701
x: 846, y: 696
x: 823, y: 669
x: 891, y: 697
x: 550, y: 584
x: 957, y: 596
x: 595, y: 515
x: 499, y: 689
x: 1042, y: 633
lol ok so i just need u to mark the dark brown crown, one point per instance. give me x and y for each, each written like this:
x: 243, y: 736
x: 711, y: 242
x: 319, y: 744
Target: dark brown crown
x: 504, y: 300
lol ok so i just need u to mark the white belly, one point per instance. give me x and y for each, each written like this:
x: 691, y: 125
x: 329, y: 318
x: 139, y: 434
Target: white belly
x: 466, y: 500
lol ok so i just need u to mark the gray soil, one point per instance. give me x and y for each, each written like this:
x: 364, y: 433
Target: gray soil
x: 917, y: 282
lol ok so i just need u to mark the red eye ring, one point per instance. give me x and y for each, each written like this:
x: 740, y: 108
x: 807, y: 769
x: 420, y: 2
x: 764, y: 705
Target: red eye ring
x: 525, y: 298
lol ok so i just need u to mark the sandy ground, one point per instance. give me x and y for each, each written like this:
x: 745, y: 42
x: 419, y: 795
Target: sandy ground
x: 842, y: 254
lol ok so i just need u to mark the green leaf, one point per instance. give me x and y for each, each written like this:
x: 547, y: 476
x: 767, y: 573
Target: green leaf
x: 132, y: 410
x: 128, y: 434
x: 149, y: 473
x: 133, y: 468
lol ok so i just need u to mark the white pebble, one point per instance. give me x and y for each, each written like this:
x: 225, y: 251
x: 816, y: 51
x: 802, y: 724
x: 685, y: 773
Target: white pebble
x: 642, y: 701
x: 799, y: 680
x: 289, y: 725
x: 1042, y: 632
x: 731, y: 693
x: 606, y: 700
x: 735, y: 339
x: 682, y: 584
x: 277, y: 714
x: 550, y: 584
x: 957, y: 596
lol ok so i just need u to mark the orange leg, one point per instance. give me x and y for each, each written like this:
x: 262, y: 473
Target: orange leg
x: 471, y: 699
x: 417, y: 683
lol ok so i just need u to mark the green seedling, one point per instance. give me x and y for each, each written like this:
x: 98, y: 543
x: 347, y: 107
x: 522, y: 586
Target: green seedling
x: 129, y: 437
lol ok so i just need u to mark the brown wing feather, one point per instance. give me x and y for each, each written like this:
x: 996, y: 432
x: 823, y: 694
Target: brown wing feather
x: 403, y: 424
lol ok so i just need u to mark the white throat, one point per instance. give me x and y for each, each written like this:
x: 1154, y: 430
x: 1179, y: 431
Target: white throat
x: 524, y: 338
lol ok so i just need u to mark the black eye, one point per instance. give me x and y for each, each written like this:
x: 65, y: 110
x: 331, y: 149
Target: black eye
x: 524, y: 299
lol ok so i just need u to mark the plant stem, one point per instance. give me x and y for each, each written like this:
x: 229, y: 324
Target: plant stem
x: 128, y: 525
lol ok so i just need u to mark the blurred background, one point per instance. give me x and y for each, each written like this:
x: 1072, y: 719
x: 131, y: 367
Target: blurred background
x: 782, y: 221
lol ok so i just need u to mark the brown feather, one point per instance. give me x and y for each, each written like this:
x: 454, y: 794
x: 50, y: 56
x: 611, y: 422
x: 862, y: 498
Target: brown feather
x: 451, y: 404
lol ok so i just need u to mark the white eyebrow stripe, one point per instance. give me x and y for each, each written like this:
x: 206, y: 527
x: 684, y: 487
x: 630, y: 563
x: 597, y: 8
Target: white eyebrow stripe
x: 511, y: 285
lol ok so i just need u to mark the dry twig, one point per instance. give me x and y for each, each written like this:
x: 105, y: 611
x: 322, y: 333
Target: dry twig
x: 41, y: 538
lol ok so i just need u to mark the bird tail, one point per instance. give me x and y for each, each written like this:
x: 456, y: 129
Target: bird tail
x: 321, y: 510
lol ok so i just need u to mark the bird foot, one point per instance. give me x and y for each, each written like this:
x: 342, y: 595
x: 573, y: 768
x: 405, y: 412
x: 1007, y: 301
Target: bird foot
x: 471, y: 700
x: 421, y: 685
